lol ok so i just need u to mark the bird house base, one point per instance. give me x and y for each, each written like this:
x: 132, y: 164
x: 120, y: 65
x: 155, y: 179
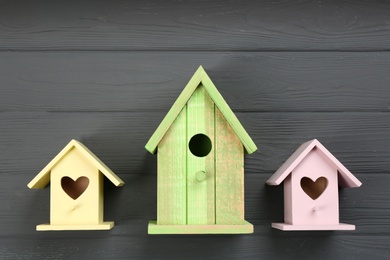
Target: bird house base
x: 101, y: 226
x: 289, y: 227
x: 245, y: 228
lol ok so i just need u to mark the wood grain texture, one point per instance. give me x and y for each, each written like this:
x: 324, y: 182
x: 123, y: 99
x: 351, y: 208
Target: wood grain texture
x: 196, y: 25
x: 200, y: 194
x: 106, y: 74
x: 229, y: 173
x: 143, y: 81
x: 358, y: 140
x: 172, y: 174
x: 363, y: 206
x: 82, y: 246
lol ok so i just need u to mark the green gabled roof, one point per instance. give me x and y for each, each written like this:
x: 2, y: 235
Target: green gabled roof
x: 200, y: 77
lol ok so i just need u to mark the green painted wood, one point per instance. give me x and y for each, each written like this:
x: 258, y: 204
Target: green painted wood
x: 171, y: 177
x: 282, y: 98
x: 200, y: 194
x: 229, y: 173
x: 244, y: 228
x: 219, y: 101
x: 200, y: 77
x: 169, y: 118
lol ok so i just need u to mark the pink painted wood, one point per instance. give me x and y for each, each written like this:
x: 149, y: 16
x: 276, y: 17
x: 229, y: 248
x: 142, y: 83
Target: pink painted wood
x: 311, y: 178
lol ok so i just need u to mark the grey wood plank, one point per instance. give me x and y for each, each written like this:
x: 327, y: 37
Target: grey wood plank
x: 30, y: 140
x: 133, y: 205
x: 140, y: 81
x: 195, y: 25
x: 196, y: 247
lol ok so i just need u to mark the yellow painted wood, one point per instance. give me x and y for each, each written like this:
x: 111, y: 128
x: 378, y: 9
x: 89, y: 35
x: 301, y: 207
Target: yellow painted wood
x: 171, y: 177
x: 43, y: 177
x: 200, y: 194
x: 229, y: 165
x: 101, y: 226
x: 84, y: 211
x: 244, y: 228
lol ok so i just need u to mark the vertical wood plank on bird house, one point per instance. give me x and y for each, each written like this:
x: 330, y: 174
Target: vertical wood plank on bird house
x: 229, y: 173
x: 200, y: 169
x: 171, y: 191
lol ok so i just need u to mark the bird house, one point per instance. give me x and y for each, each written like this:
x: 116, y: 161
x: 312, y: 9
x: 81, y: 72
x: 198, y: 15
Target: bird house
x: 200, y: 148
x: 312, y: 176
x: 76, y: 194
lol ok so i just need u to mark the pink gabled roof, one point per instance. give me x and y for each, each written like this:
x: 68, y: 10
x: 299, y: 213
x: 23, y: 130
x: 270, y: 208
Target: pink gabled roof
x: 347, y: 179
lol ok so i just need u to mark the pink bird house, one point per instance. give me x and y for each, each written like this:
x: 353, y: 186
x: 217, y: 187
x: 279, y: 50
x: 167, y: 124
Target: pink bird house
x: 311, y: 178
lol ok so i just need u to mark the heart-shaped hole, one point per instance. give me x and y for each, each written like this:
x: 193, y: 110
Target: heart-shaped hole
x: 74, y: 188
x: 314, y: 189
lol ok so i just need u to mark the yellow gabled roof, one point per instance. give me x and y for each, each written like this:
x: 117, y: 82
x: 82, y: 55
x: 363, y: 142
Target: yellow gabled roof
x: 43, y: 178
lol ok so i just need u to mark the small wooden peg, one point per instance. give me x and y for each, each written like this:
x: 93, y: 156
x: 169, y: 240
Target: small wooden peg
x: 200, y: 176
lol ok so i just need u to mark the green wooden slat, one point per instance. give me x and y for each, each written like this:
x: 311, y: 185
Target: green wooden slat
x: 243, y: 228
x: 180, y: 102
x: 200, y: 192
x: 200, y: 77
x: 229, y: 167
x: 220, y: 102
x: 171, y: 180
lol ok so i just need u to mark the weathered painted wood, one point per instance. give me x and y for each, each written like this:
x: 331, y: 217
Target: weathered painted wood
x: 312, y: 177
x: 172, y: 174
x: 151, y: 81
x: 200, y: 194
x: 229, y: 173
x: 199, y: 99
x: 173, y: 112
x: 77, y: 245
x: 268, y: 88
x: 364, y: 207
x: 201, y: 78
x: 243, y: 228
x: 216, y: 25
x: 84, y: 211
x: 359, y: 140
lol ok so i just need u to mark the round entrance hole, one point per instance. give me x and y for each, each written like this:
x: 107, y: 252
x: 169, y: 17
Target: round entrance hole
x: 200, y: 145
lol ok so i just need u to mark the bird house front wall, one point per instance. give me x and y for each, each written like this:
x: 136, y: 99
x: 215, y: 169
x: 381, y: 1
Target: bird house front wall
x: 172, y: 174
x: 200, y: 168
x: 74, y: 200
x: 200, y: 158
x: 314, y: 192
x: 229, y: 177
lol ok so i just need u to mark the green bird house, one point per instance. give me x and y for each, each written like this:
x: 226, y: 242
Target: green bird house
x: 200, y: 146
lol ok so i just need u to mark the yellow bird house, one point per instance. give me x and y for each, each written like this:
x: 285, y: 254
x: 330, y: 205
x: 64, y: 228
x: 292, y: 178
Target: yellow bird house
x: 76, y: 195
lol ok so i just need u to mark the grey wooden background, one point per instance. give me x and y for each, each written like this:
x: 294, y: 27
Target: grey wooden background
x: 106, y: 72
